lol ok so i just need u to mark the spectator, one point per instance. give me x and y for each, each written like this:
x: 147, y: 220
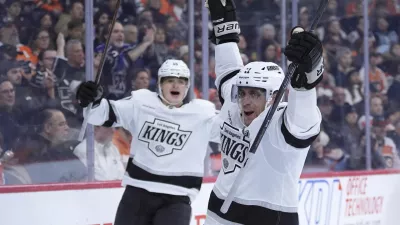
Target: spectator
x: 76, y: 12
x: 339, y: 105
x: 12, y: 15
x: 332, y: 129
x: 13, y: 70
x: 395, y: 136
x: 40, y: 41
x: 385, y: 145
x: 131, y: 34
x: 46, y: 59
x: 123, y: 57
x: 352, y: 134
x: 385, y: 37
x: 378, y: 81
x: 377, y: 159
x: 75, y: 31
x: 159, y: 51
x: 107, y: 159
x: 141, y: 80
x: 271, y: 54
x: 354, y: 92
x: 10, y: 116
x: 46, y: 21
x: 344, y: 66
x: 68, y: 73
x: 101, y: 18
x: 47, y: 154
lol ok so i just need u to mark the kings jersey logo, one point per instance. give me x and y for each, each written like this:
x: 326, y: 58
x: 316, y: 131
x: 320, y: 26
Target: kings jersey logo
x: 163, y: 137
x: 234, y: 145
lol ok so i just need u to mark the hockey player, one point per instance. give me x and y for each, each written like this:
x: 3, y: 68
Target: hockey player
x: 268, y: 193
x: 170, y: 138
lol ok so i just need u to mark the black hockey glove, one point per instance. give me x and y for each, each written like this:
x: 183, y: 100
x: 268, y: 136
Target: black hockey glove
x: 89, y: 92
x: 305, y: 48
x: 225, y: 25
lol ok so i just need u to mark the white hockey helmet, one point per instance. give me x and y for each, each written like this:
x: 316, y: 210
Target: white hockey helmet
x: 173, y: 68
x: 266, y: 75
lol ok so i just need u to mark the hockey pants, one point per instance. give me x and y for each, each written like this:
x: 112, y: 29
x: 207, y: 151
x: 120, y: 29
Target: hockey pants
x: 140, y: 207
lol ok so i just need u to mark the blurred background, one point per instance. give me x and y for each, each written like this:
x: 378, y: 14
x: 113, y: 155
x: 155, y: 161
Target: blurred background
x: 43, y: 59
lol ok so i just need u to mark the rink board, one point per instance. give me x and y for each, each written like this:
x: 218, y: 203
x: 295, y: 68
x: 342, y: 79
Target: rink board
x: 356, y: 198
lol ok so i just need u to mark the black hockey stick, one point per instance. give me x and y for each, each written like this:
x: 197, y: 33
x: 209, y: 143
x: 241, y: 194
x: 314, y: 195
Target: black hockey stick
x: 265, y: 124
x: 100, y: 69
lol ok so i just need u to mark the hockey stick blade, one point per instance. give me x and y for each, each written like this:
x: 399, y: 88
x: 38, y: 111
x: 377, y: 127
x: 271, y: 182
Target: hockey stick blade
x: 265, y: 124
x: 100, y: 70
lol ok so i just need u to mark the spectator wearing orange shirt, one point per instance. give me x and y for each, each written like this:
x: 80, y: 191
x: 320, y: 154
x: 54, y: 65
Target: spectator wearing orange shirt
x: 377, y: 78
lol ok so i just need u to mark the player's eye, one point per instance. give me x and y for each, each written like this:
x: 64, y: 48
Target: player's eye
x: 255, y: 94
x: 182, y: 81
x: 241, y: 94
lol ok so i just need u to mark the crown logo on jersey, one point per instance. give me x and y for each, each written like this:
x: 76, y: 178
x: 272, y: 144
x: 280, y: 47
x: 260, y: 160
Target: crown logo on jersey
x: 234, y: 147
x: 163, y: 137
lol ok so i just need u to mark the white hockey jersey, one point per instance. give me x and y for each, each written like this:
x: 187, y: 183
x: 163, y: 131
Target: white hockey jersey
x: 271, y: 182
x: 169, y: 144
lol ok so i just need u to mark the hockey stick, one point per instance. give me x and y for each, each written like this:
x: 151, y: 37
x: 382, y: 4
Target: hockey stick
x: 264, y: 126
x: 100, y: 70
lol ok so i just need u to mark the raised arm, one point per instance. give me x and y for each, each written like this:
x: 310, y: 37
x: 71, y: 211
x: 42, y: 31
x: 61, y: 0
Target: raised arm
x: 225, y: 36
x: 302, y: 118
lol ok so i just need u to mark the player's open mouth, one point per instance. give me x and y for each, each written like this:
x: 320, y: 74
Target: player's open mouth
x: 175, y: 93
x: 248, y: 113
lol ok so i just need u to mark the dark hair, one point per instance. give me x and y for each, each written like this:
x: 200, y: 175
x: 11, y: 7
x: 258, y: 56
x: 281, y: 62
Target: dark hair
x: 137, y: 71
x: 41, y: 54
x: 74, y: 24
x: 98, y: 15
x: 43, y: 117
x: 3, y: 79
x: 71, y: 6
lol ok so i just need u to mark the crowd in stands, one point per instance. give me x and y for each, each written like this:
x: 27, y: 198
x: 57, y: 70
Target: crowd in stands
x: 42, y: 62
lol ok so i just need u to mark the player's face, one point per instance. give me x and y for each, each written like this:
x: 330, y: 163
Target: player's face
x: 252, y: 103
x: 174, y: 89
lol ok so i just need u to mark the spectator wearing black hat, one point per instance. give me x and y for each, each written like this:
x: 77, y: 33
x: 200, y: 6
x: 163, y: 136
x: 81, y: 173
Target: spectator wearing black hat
x: 351, y: 133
